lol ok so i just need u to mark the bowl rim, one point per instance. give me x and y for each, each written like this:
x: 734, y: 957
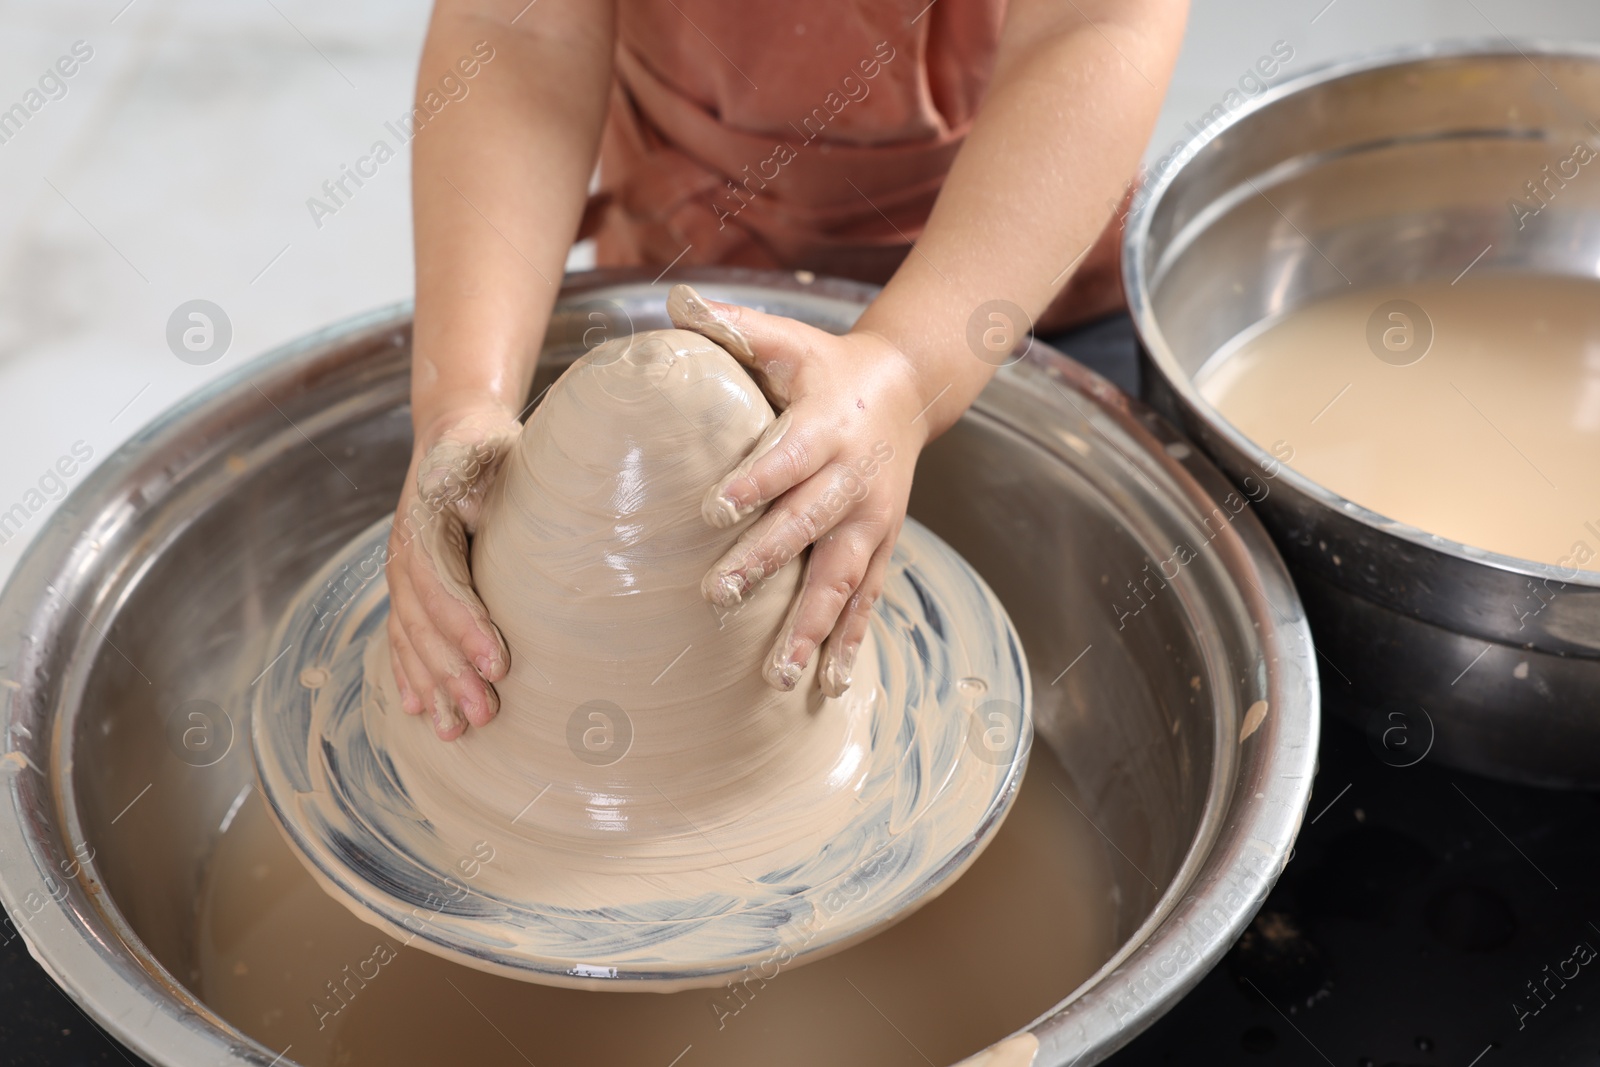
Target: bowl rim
x: 82, y: 932
x: 1262, y: 802
x: 1137, y: 268
x: 118, y: 983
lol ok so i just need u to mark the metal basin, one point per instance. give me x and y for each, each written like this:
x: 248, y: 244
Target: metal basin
x: 1397, y: 169
x: 1189, y: 726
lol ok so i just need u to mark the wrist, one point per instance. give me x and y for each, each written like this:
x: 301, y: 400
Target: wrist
x: 898, y: 382
x: 941, y: 382
x: 434, y: 416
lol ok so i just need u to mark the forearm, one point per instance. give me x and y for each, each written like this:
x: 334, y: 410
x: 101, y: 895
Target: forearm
x: 1068, y: 113
x: 498, y: 187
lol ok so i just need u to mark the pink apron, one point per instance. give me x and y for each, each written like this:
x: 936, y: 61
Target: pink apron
x: 796, y: 135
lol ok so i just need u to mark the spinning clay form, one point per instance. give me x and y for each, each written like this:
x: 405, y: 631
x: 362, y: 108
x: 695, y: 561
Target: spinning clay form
x: 646, y: 811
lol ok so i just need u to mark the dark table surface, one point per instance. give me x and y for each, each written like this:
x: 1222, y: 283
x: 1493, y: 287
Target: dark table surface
x: 1426, y: 917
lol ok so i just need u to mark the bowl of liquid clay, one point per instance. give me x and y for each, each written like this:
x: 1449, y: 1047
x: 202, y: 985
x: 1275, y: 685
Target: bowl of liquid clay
x: 1175, y: 710
x: 1371, y: 296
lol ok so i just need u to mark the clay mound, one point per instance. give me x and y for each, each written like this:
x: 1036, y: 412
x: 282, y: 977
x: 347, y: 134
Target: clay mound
x: 639, y: 704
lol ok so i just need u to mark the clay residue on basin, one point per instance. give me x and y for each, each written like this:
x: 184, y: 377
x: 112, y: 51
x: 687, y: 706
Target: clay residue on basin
x: 1030, y: 921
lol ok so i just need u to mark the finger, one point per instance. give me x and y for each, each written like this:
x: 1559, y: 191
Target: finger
x: 458, y: 691
x: 837, y: 668
x: 447, y: 722
x: 444, y: 585
x: 772, y: 347
x: 688, y: 310
x: 833, y: 572
x: 796, y: 520
x: 779, y: 461
x: 428, y: 695
x: 403, y: 663
x: 410, y: 674
x: 779, y: 672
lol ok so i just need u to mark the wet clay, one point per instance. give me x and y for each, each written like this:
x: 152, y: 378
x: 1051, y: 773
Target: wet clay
x: 637, y: 739
x: 1030, y: 921
x: 647, y: 813
x: 1489, y: 439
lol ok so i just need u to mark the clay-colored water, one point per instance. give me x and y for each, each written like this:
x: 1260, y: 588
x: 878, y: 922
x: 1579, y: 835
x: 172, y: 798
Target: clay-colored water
x: 1491, y: 438
x: 1026, y: 925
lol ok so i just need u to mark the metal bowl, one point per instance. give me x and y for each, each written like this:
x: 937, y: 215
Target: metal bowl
x: 1189, y: 727
x: 1387, y: 171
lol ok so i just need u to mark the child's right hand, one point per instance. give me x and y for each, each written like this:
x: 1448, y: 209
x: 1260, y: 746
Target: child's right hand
x: 445, y: 651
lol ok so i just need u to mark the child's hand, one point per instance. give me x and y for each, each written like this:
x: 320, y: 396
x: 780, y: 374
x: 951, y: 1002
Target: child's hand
x: 444, y: 650
x: 836, y: 464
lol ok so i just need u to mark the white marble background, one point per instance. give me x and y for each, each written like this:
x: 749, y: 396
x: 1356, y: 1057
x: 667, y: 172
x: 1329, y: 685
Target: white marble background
x: 178, y: 164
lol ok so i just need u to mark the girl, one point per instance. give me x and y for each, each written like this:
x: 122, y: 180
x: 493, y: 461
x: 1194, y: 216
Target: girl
x: 965, y: 153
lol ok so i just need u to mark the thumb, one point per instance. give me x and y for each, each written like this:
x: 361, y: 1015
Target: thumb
x: 771, y: 347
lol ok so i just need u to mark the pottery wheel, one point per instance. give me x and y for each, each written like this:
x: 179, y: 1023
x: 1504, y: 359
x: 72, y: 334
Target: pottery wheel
x: 597, y: 834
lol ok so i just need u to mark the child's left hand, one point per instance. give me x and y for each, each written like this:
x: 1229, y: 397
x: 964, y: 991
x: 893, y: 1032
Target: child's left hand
x: 836, y: 465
